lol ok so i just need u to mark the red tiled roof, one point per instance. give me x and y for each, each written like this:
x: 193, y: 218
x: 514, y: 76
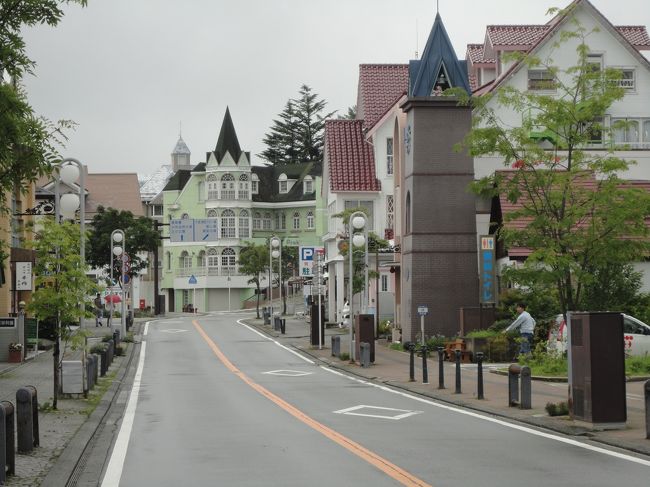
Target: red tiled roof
x: 380, y: 86
x: 528, y: 35
x: 507, y: 207
x: 637, y: 35
x: 475, y: 53
x: 515, y: 35
x: 350, y: 158
x: 473, y: 82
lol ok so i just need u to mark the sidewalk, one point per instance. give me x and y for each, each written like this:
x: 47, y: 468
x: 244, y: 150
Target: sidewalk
x: 392, y: 368
x: 56, y: 427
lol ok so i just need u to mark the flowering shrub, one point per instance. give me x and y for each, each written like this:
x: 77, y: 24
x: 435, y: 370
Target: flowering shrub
x: 15, y: 347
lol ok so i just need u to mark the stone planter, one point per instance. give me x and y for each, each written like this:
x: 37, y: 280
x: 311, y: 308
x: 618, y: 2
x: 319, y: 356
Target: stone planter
x: 475, y: 345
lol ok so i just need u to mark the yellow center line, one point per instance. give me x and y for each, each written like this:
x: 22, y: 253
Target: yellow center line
x: 390, y: 469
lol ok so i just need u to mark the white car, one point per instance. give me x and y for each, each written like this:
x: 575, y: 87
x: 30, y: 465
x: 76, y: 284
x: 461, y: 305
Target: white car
x: 636, y: 336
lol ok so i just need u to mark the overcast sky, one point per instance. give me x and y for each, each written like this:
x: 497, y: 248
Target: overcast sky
x: 130, y: 71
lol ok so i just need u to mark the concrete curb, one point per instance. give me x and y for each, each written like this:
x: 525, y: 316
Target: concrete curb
x: 72, y: 457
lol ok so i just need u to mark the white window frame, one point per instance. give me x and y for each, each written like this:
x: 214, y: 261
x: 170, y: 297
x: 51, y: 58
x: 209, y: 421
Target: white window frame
x: 541, y: 80
x: 296, y: 220
x: 228, y: 229
x: 227, y: 189
x: 385, y: 287
x: 244, y: 224
x: 308, y: 185
x: 390, y: 148
x: 310, y: 220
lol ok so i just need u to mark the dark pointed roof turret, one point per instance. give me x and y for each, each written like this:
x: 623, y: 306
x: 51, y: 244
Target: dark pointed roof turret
x: 438, y: 67
x: 227, y: 141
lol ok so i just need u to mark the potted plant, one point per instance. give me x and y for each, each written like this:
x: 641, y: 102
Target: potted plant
x: 15, y: 352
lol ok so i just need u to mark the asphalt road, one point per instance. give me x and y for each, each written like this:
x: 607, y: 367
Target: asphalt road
x: 214, y: 402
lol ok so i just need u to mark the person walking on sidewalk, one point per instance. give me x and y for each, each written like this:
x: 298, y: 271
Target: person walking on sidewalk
x: 99, y: 310
x: 526, y: 325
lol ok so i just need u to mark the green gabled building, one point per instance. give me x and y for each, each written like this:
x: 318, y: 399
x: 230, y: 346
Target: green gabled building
x: 219, y: 205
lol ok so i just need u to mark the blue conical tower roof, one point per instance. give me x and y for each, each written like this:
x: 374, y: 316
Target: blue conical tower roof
x: 438, y: 66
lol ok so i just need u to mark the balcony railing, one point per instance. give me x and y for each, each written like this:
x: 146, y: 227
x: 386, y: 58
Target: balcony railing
x: 207, y: 271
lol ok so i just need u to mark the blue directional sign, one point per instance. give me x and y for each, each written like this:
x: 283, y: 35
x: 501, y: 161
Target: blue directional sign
x: 181, y: 230
x: 205, y: 229
x: 488, y: 272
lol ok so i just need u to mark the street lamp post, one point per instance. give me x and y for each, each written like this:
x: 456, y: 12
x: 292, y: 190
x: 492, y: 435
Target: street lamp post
x: 118, y: 248
x: 357, y: 221
x: 66, y: 205
x: 275, y: 252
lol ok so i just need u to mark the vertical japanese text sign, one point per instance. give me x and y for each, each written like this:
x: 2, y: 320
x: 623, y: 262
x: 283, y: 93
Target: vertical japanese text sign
x: 488, y: 275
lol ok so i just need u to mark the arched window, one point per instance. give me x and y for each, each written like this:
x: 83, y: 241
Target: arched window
x: 244, y: 225
x: 227, y: 187
x: 228, y: 224
x: 213, y: 187
x: 266, y: 223
x: 185, y: 216
x: 228, y: 260
x: 408, y: 213
x: 308, y: 185
x: 257, y: 221
x: 296, y: 221
x: 255, y: 184
x: 243, y: 187
x: 283, y: 183
x: 213, y: 262
x: 310, y: 220
x: 212, y: 213
x: 200, y: 259
x: 185, y: 261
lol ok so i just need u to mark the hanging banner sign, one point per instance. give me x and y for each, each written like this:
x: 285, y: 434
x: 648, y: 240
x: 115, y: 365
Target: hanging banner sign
x: 488, y: 272
x: 23, y: 276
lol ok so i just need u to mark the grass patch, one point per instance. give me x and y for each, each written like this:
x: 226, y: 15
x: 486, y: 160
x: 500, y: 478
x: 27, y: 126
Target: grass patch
x: 637, y: 365
x: 95, y: 396
x: 557, y: 409
x: 344, y: 356
x: 396, y: 346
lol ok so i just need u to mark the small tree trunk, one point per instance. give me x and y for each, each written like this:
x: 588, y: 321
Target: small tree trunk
x: 56, y: 355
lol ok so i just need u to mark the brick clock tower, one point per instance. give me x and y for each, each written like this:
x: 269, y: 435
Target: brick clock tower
x: 439, y: 267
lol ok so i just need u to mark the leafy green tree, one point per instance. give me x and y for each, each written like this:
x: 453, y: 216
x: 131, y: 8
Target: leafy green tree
x: 254, y: 262
x: 289, y: 264
x: 61, y: 283
x: 29, y: 144
x: 375, y: 243
x: 297, y: 134
x: 140, y: 237
x: 580, y: 215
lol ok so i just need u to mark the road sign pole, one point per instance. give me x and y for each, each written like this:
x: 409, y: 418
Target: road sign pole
x: 422, y: 329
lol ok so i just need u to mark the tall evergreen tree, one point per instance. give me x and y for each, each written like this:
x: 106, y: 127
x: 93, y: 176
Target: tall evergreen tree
x: 297, y: 134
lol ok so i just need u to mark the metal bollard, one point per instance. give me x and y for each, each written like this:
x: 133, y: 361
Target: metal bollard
x: 364, y: 352
x: 7, y: 441
x: 425, y: 371
x: 441, y: 368
x: 457, y: 391
x: 646, y: 389
x: 336, y: 346
x: 116, y: 336
x: 526, y: 388
x: 104, y: 363
x: 283, y: 325
x: 27, y: 418
x: 110, y: 351
x: 516, y: 371
x: 412, y: 362
x: 479, y: 359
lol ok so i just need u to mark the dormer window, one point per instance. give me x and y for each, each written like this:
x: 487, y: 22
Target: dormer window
x: 255, y: 184
x: 308, y: 185
x: 284, y: 187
